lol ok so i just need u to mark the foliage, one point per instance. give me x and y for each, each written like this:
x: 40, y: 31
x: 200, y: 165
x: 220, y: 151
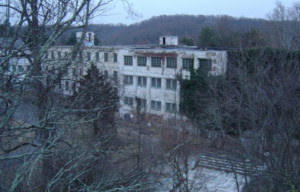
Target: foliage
x: 6, y: 30
x: 71, y: 40
x: 98, y: 92
x: 258, y: 102
x: 187, y: 41
x: 188, y: 89
x: 208, y: 38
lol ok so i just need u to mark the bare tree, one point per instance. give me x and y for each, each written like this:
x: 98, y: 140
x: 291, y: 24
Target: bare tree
x: 256, y: 106
x: 60, y: 150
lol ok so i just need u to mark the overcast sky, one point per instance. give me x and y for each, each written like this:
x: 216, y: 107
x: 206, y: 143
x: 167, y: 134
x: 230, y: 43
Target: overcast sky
x: 149, y: 8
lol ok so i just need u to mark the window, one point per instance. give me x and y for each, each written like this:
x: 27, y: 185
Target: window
x: 187, y: 63
x: 171, y: 84
x: 66, y: 54
x: 141, y: 103
x: 128, y: 101
x: 142, y: 81
x: 80, y: 55
x: 172, y: 63
x: 14, y: 68
x: 171, y: 107
x: 128, y: 80
x: 105, y: 73
x: 88, y: 56
x: 156, y: 82
x: 80, y: 71
x: 52, y: 54
x: 156, y: 61
x: 74, y: 72
x: 97, y: 57
x: 59, y: 54
x: 74, y: 87
x: 115, y: 57
x: 142, y: 61
x: 127, y: 60
x: 67, y: 85
x: 205, y: 65
x: 156, y: 105
x: 116, y: 75
x: 20, y: 68
x: 106, y: 57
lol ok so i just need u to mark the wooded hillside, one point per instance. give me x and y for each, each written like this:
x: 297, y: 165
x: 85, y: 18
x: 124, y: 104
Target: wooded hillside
x: 148, y: 31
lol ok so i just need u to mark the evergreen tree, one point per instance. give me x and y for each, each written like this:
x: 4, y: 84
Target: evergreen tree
x: 97, y: 91
x: 208, y: 38
x: 187, y: 41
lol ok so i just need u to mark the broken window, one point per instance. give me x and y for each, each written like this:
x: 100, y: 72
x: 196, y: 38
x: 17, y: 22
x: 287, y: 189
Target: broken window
x: 52, y: 54
x: 142, y: 81
x: 80, y: 55
x: 67, y: 85
x: 115, y: 57
x: 88, y: 56
x: 20, y: 68
x: 127, y: 60
x: 128, y: 101
x: 116, y: 75
x: 74, y: 87
x: 205, y: 65
x: 187, y: 63
x: 156, y: 105
x: 171, y: 107
x: 74, y: 71
x: 172, y: 63
x: 155, y: 61
x: 97, y: 56
x: 143, y: 103
x: 128, y: 80
x: 106, y: 57
x: 156, y: 82
x: 142, y: 61
x: 172, y: 84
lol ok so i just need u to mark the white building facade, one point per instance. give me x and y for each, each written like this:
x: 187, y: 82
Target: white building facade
x: 146, y: 75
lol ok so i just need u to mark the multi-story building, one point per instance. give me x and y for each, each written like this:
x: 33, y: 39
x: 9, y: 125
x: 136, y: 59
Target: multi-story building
x: 14, y: 59
x: 146, y: 75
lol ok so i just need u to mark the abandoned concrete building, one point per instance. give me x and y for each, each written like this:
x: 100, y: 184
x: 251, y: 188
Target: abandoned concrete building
x: 145, y: 74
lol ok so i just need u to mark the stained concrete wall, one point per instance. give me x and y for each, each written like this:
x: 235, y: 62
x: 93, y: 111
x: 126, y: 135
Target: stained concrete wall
x: 163, y: 95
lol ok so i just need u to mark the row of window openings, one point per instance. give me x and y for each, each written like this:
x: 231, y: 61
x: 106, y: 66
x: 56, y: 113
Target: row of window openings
x: 155, y: 82
x: 157, y: 61
x: 88, y: 56
x: 155, y: 105
x: 13, y: 68
x: 74, y: 72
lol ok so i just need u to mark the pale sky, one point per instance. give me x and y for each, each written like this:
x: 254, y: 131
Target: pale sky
x: 149, y: 8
